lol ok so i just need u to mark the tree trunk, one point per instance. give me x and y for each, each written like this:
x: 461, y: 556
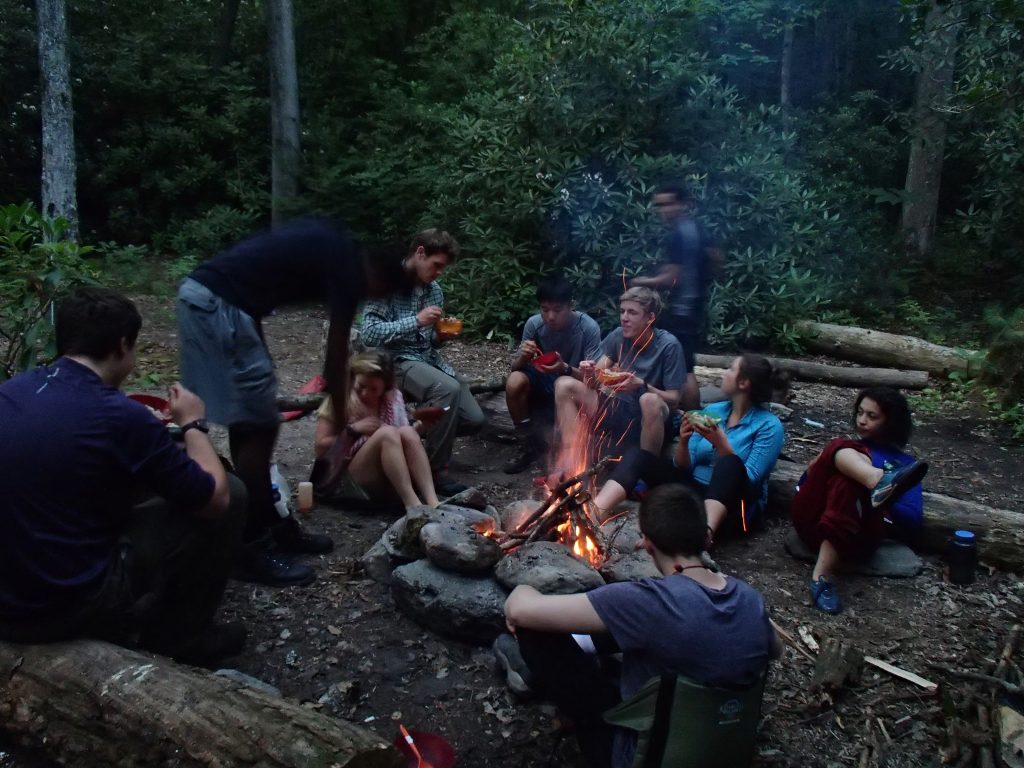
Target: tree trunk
x: 221, y: 53
x: 864, y: 345
x: 58, y: 150
x: 92, y: 703
x: 284, y: 106
x: 928, y: 128
x: 786, y: 70
x: 1000, y: 532
x: 833, y: 374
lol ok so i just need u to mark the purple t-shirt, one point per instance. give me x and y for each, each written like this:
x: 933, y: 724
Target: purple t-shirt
x: 678, y: 626
x: 75, y: 455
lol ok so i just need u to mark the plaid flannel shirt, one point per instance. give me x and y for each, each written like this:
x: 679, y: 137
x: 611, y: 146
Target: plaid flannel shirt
x: 391, y: 323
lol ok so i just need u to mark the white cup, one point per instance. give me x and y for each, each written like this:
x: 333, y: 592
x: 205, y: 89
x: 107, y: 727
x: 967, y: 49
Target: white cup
x: 305, y: 500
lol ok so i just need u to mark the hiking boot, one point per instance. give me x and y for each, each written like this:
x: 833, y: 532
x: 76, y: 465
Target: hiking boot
x: 290, y: 537
x: 517, y: 674
x: 896, y: 482
x: 524, y: 457
x: 261, y: 566
x: 824, y: 596
x: 219, y: 641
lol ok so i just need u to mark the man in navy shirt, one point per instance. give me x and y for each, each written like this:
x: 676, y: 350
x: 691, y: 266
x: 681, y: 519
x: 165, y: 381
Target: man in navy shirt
x: 79, y: 555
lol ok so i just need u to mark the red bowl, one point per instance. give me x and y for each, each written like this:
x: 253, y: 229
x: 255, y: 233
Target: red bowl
x: 435, y: 750
x: 548, y: 358
x: 157, y: 404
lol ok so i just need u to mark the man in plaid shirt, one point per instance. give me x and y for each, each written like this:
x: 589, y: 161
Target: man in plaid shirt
x: 404, y: 325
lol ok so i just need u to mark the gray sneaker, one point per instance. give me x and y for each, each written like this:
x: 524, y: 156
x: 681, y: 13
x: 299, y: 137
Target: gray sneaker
x: 897, y: 482
x: 517, y: 674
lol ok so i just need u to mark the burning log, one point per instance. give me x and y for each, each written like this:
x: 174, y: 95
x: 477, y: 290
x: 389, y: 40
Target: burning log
x: 562, y: 490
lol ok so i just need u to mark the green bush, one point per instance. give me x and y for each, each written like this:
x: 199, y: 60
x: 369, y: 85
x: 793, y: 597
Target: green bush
x: 37, y: 267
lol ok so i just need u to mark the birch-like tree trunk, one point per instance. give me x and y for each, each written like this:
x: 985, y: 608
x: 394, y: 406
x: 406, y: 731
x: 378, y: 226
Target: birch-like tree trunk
x: 57, y: 192
x: 284, y: 105
x: 928, y: 127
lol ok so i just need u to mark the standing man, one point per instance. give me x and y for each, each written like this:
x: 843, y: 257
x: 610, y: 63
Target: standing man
x: 686, y: 275
x: 640, y: 401
x: 80, y: 555
x: 564, y: 337
x: 224, y: 357
x: 404, y: 324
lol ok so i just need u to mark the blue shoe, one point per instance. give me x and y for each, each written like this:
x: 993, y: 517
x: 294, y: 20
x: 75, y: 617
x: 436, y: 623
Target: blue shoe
x: 896, y: 482
x: 825, y: 597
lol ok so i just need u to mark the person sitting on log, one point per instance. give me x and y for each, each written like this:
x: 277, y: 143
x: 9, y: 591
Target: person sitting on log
x: 377, y: 445
x: 108, y: 527
x: 712, y: 628
x: 630, y: 394
x: 555, y: 342
x: 853, y: 488
x: 726, y: 452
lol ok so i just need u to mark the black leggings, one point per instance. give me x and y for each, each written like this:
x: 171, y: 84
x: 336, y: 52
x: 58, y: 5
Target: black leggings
x: 729, y: 484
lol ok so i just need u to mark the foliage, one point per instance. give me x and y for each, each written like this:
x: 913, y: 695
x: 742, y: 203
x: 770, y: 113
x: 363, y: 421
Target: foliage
x: 1004, y: 363
x: 37, y: 267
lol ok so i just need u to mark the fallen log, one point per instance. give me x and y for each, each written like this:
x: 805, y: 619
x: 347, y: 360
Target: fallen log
x: 92, y: 703
x: 863, y: 345
x: 833, y: 374
x: 308, y: 403
x: 1000, y: 532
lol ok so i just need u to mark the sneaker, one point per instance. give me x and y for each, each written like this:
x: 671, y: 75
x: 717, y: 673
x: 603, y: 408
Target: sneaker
x: 290, y: 537
x: 522, y: 460
x: 825, y: 597
x: 897, y: 482
x: 517, y: 674
x: 261, y: 566
x: 218, y: 642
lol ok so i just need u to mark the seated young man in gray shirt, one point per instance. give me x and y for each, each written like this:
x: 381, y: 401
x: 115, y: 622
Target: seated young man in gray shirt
x: 634, y: 407
x: 555, y: 342
x: 711, y: 628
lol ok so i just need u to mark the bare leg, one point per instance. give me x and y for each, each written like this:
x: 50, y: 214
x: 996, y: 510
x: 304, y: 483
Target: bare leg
x: 828, y: 561
x: 381, y: 459
x: 857, y: 466
x: 653, y: 411
x: 517, y: 396
x: 418, y: 464
x: 690, y: 400
x: 716, y: 512
x: 573, y: 400
x: 610, y: 494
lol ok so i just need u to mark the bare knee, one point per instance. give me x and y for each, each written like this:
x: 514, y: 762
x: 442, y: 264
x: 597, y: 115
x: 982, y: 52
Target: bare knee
x: 567, y: 387
x: 653, y: 407
x: 388, y: 434
x: 408, y: 434
x: 517, y: 384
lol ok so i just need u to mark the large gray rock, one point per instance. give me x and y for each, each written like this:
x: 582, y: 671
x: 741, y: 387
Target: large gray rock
x: 549, y: 568
x: 471, y: 497
x: 450, y: 512
x: 465, y: 608
x: 402, y: 542
x: 378, y: 562
x: 457, y: 546
x: 890, y: 559
x: 631, y: 566
x: 516, y: 512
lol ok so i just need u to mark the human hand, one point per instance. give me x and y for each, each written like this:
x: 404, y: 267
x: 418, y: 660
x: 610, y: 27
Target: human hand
x: 632, y: 384
x: 714, y: 435
x: 428, y: 316
x: 184, y: 405
x: 685, y: 430
x: 429, y: 414
x: 529, y: 349
x: 558, y: 366
x: 366, y: 425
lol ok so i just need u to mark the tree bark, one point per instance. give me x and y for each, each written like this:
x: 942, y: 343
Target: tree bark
x: 92, y: 703
x: 928, y: 126
x: 786, y: 68
x: 284, y: 106
x: 221, y: 53
x: 1000, y: 532
x: 833, y: 374
x: 864, y: 345
x: 58, y: 193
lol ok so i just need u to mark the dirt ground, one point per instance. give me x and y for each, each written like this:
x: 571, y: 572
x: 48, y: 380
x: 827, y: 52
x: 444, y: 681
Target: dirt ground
x: 341, y: 645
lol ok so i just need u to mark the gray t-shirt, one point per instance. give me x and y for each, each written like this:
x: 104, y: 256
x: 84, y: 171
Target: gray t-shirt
x: 676, y: 625
x: 659, y: 363
x: 581, y: 340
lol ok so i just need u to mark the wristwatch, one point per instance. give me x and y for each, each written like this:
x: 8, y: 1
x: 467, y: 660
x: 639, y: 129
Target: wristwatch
x: 201, y: 424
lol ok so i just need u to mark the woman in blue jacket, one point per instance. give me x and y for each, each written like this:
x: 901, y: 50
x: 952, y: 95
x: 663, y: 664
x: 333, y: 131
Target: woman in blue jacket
x: 725, y: 452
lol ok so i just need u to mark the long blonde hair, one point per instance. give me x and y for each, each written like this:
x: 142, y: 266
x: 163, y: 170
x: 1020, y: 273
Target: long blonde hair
x: 371, y: 362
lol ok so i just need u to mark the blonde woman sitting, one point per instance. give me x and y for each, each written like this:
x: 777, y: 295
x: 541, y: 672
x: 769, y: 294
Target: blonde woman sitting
x: 376, y: 444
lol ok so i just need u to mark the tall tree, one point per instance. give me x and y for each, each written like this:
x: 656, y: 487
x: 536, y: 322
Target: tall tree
x: 58, y: 148
x: 286, y: 152
x: 225, y: 34
x: 929, y: 116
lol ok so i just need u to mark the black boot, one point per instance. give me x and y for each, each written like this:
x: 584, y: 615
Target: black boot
x: 259, y: 564
x: 290, y: 537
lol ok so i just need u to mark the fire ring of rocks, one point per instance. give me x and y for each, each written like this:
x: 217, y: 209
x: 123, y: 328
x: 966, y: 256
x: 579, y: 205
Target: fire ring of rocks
x: 451, y: 568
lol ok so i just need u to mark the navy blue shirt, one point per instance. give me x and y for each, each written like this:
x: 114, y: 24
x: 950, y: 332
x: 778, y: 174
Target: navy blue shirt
x: 74, y: 455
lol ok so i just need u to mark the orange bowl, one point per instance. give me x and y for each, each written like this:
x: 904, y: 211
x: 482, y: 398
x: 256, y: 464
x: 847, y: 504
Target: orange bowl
x: 435, y: 750
x: 612, y: 377
x: 450, y: 325
x: 161, y: 407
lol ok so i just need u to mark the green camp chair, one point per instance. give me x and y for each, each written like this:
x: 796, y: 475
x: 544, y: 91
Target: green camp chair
x: 683, y: 724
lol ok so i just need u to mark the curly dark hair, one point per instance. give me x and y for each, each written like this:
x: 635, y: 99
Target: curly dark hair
x: 898, y: 422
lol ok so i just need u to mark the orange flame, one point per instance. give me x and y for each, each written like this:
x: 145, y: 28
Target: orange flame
x: 743, y: 515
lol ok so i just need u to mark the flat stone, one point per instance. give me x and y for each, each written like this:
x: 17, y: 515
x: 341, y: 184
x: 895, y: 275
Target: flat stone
x: 457, y: 546
x: 631, y: 566
x: 549, y: 568
x: 471, y: 497
x: 467, y: 608
x: 516, y: 512
x: 482, y: 521
x: 378, y: 562
x: 402, y: 542
x: 891, y: 559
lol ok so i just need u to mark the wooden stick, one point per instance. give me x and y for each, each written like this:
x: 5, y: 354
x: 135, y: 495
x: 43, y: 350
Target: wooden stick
x: 903, y: 674
x: 1008, y: 650
x: 792, y: 643
x: 981, y: 678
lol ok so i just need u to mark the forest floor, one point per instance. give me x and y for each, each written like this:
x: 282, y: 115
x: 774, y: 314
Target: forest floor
x: 341, y: 645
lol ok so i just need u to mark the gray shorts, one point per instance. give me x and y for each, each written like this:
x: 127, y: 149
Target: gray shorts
x: 223, y: 358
